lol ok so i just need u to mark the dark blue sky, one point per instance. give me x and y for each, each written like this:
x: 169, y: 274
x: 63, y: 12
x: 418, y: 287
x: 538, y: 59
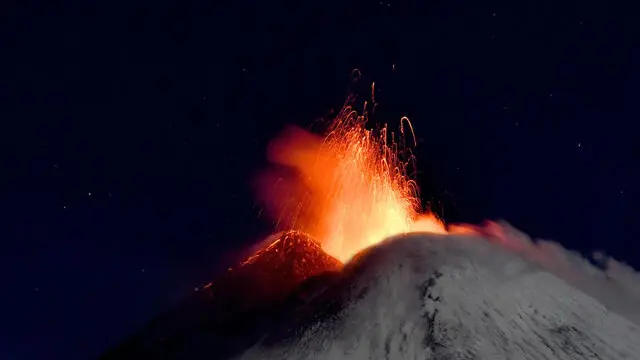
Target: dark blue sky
x: 130, y: 134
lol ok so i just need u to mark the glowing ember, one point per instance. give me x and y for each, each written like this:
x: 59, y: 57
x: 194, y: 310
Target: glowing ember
x: 351, y: 190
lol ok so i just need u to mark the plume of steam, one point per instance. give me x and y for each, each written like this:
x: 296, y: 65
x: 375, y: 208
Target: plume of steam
x: 614, y: 284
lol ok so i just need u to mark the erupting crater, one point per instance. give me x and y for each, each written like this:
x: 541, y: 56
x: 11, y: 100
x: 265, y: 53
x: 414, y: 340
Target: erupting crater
x: 350, y: 189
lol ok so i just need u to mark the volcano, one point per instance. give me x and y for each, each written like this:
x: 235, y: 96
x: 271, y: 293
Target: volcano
x: 417, y: 296
x: 367, y: 273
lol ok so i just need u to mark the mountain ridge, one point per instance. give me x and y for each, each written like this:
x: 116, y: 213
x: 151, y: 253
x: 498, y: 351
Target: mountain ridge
x: 417, y: 296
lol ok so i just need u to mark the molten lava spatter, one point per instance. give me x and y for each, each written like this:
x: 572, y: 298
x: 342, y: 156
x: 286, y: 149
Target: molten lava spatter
x: 352, y: 188
x: 293, y: 256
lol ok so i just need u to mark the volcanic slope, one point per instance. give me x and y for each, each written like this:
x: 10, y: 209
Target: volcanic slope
x: 448, y: 297
x: 235, y: 311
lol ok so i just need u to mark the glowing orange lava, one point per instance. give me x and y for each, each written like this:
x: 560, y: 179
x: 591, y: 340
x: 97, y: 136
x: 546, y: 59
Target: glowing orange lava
x: 351, y: 189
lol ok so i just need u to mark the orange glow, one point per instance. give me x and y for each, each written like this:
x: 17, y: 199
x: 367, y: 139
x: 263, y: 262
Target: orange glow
x: 351, y: 188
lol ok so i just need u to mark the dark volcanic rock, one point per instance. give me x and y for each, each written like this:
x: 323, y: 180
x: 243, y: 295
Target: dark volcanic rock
x: 236, y: 309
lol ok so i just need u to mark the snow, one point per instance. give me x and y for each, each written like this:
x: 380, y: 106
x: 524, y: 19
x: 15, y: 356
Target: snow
x: 459, y: 297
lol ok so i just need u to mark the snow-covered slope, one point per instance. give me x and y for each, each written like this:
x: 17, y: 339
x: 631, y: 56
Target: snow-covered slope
x: 448, y: 297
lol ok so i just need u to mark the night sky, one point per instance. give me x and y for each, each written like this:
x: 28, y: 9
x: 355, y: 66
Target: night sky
x: 130, y: 136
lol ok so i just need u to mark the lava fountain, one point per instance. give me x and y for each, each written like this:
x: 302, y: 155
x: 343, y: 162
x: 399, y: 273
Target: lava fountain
x: 350, y: 188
